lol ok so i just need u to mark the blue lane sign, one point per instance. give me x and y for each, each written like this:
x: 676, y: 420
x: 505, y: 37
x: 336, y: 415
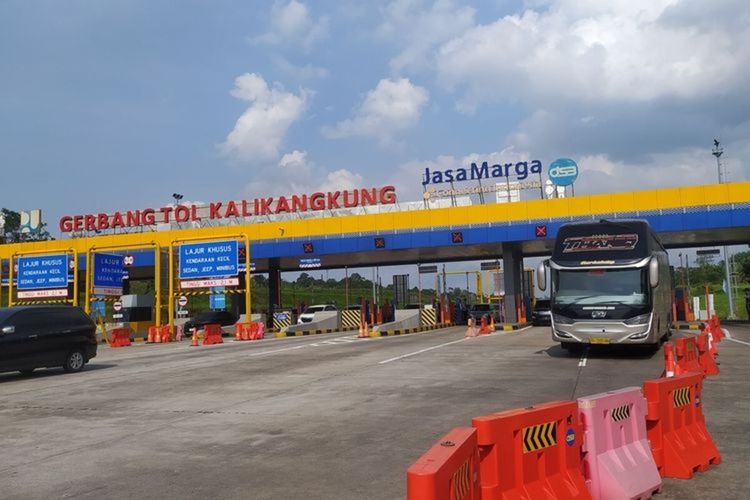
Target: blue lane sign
x: 563, y: 172
x: 216, y: 259
x: 49, y: 271
x: 108, y: 270
x: 218, y: 301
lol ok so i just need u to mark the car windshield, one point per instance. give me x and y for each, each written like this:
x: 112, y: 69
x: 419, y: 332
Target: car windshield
x: 210, y: 315
x: 480, y: 307
x: 542, y: 304
x: 314, y: 309
x: 600, y: 286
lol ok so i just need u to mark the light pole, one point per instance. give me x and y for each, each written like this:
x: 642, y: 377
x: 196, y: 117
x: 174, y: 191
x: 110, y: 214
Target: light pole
x: 717, y: 151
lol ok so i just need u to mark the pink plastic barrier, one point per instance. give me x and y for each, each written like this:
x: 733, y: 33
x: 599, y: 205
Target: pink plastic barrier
x: 617, y: 458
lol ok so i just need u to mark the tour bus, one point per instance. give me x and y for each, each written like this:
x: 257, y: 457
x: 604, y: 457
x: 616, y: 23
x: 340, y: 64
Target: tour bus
x: 610, y: 284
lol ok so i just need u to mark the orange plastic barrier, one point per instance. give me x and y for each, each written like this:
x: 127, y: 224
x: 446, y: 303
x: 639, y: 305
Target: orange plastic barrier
x: 212, y: 335
x: 483, y: 328
x: 448, y: 471
x: 531, y: 453
x: 669, y: 360
x: 676, y: 427
x: 715, y: 326
x: 686, y: 356
x: 152, y: 334
x: 616, y: 455
x: 166, y: 335
x: 706, y: 356
x: 120, y: 337
x: 250, y: 331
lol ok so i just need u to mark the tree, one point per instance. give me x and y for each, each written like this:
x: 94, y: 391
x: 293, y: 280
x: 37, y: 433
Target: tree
x: 742, y: 265
x: 11, y: 229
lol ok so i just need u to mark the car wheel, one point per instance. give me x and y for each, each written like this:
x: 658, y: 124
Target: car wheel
x: 75, y: 361
x: 27, y: 372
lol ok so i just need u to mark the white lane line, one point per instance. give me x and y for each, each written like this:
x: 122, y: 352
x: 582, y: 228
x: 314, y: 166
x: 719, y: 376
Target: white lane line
x: 729, y: 337
x: 421, y: 351
x: 582, y: 361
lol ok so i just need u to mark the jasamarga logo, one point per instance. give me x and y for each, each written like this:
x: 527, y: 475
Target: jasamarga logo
x: 521, y: 170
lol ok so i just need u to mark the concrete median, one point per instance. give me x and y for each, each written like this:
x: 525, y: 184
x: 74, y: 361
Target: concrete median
x: 407, y: 321
x: 322, y: 322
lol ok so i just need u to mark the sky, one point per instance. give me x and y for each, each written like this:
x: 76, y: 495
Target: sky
x: 116, y: 105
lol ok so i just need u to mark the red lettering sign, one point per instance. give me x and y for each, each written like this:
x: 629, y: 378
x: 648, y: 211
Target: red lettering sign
x: 385, y: 195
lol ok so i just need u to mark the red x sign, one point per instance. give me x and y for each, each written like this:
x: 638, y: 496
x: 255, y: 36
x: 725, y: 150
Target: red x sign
x: 541, y: 231
x: 308, y: 247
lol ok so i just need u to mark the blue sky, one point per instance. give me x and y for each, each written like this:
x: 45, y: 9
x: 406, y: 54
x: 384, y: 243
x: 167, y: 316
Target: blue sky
x: 116, y: 105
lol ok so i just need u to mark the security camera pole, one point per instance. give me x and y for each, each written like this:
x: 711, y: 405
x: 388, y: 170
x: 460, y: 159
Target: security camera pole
x: 717, y: 152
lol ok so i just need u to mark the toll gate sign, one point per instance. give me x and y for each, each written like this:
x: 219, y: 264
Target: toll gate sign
x: 217, y: 259
x: 109, y: 271
x: 49, y: 271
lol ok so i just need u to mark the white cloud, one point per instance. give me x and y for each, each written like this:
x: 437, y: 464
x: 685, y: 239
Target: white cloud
x: 259, y: 132
x: 300, y: 73
x: 292, y: 23
x: 420, y: 29
x: 296, y: 173
x: 627, y: 50
x: 393, y: 106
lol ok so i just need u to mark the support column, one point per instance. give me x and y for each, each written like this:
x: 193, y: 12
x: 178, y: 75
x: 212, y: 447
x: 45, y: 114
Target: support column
x: 274, y: 286
x: 512, y: 271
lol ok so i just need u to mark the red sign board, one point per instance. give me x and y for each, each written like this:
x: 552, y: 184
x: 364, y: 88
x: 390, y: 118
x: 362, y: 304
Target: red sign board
x: 319, y: 201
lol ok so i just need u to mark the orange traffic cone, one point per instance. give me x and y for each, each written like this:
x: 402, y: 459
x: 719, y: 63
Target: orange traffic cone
x: 194, y: 339
x: 150, y: 338
x: 492, y: 324
x: 238, y: 331
x: 157, y: 339
x: 669, y: 361
x: 361, y: 333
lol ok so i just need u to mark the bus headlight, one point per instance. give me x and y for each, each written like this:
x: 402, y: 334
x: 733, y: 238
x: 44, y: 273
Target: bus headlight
x: 562, y: 319
x: 642, y: 319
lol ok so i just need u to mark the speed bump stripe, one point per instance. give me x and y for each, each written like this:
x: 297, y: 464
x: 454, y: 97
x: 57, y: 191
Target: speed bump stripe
x: 681, y: 396
x: 540, y: 436
x: 620, y: 412
x: 461, y: 481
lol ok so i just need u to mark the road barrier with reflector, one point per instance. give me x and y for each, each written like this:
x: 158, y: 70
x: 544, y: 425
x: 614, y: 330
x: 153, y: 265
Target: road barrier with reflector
x: 448, y: 471
x: 120, y: 337
x: 531, y: 452
x: 282, y: 319
x: 706, y: 354
x: 618, y: 462
x: 680, y: 442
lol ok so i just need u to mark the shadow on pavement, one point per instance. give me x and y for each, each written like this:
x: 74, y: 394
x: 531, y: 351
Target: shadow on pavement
x: 51, y: 372
x: 603, y: 352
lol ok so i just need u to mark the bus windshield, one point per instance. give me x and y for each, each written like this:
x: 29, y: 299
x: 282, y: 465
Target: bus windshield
x: 601, y: 286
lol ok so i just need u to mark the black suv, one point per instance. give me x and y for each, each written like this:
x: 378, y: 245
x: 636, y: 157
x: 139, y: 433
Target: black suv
x: 45, y: 336
x: 223, y: 318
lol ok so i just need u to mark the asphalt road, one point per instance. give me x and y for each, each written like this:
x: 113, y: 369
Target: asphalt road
x: 323, y: 417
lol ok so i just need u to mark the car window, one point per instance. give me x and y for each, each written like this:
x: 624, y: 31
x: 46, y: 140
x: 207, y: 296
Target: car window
x: 330, y: 308
x: 314, y: 309
x: 480, y: 307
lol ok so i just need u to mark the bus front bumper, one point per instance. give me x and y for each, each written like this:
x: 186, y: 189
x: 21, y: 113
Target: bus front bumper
x: 602, y: 332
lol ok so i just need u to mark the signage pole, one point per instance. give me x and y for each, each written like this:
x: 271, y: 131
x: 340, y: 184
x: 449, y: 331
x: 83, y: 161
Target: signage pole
x: 75, y: 278
x: 170, y: 307
x: 10, y: 281
x: 419, y: 293
x: 248, y: 300
x: 157, y: 283
x: 87, y: 294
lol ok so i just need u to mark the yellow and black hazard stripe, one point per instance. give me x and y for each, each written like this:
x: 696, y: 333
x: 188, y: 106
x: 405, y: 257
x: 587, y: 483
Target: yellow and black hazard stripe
x: 304, y: 333
x: 681, y: 396
x: 194, y: 293
x: 350, y: 319
x: 40, y: 302
x: 620, y: 413
x: 108, y: 298
x: 428, y: 317
x: 461, y: 481
x: 538, y: 437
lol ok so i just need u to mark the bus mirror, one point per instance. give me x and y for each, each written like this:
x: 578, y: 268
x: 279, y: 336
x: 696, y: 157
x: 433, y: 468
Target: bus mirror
x: 653, y: 272
x: 541, y: 276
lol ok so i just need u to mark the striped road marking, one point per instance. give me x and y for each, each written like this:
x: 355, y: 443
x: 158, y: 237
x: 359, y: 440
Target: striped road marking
x: 729, y: 337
